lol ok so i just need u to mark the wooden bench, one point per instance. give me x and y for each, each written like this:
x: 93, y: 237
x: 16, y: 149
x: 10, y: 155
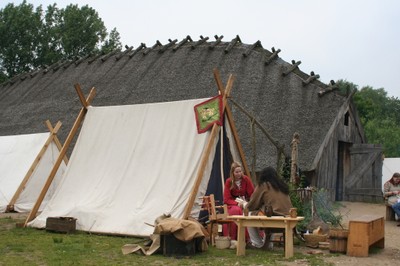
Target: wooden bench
x: 364, y: 232
x: 390, y: 214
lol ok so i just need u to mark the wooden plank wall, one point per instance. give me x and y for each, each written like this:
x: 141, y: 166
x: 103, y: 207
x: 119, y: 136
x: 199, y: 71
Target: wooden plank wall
x: 325, y: 175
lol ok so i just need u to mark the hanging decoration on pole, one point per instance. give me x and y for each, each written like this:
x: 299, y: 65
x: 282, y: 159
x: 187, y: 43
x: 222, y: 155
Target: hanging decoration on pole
x: 208, y: 113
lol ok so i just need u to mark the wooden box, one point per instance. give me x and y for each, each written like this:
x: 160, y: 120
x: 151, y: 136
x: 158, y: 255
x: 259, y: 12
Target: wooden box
x: 365, y: 231
x: 171, y: 246
x: 61, y: 224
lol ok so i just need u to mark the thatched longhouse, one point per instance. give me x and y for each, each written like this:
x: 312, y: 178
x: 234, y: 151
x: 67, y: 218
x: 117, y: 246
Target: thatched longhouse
x: 271, y: 100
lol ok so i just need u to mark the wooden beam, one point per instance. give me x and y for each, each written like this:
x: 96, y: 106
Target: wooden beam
x: 200, y: 172
x: 207, y: 152
x: 56, y: 140
x: 28, y: 175
x: 231, y: 122
x: 75, y: 127
x: 218, y: 80
x: 294, y: 158
x: 84, y: 102
x: 276, y: 143
x: 230, y: 117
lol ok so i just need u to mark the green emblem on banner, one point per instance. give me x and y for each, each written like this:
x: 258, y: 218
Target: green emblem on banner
x: 208, y: 113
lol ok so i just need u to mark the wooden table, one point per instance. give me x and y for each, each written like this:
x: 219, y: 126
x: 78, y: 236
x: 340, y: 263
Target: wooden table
x: 286, y: 223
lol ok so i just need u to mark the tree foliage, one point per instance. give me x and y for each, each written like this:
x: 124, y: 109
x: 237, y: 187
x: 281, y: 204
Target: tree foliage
x: 379, y: 115
x: 33, y: 38
x: 19, y: 28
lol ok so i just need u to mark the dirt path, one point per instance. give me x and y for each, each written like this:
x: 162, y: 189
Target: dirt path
x: 390, y: 255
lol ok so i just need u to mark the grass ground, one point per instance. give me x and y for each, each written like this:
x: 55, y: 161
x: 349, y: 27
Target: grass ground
x: 28, y: 246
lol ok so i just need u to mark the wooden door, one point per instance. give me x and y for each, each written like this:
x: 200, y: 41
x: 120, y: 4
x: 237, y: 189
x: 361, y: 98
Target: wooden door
x: 364, y: 179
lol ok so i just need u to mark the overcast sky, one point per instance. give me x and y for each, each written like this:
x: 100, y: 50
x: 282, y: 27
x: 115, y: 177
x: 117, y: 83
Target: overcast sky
x: 355, y: 40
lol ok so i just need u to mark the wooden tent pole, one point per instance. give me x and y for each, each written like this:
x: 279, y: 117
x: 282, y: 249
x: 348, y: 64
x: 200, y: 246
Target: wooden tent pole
x: 63, y: 151
x: 206, y: 154
x: 277, y: 145
x: 231, y: 122
x: 236, y: 138
x: 203, y: 164
x: 21, y: 187
x: 56, y: 141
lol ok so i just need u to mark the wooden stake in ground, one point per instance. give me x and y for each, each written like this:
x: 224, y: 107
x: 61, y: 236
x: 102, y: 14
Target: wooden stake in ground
x: 294, y: 178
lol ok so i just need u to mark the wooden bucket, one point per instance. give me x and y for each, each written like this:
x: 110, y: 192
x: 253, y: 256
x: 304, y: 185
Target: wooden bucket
x: 338, y: 240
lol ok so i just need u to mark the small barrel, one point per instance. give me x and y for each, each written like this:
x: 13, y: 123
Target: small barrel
x: 338, y: 240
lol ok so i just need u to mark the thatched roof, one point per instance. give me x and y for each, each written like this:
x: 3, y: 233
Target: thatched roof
x: 281, y: 97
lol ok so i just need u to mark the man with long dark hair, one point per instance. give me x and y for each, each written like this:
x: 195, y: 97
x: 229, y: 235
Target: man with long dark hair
x: 271, y: 193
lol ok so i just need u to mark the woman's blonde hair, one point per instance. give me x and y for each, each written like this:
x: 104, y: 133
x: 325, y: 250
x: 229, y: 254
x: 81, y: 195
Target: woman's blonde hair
x: 234, y: 165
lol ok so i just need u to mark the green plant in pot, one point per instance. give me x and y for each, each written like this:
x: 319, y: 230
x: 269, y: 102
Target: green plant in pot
x: 317, y: 211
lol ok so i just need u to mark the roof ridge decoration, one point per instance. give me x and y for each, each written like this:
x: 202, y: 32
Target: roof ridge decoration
x: 60, y: 64
x: 252, y: 47
x: 118, y: 57
x: 311, y: 78
x: 217, y: 41
x: 34, y: 73
x: 202, y: 40
x: 273, y: 56
x: 67, y: 64
x: 185, y: 40
x: 94, y: 58
x: 23, y: 77
x: 174, y: 45
x: 13, y: 80
x: 77, y: 62
x: 331, y: 87
x: 232, y: 43
x: 108, y: 55
x: 165, y: 47
x: 295, y: 65
x: 48, y: 68
x: 146, y: 51
x: 141, y: 46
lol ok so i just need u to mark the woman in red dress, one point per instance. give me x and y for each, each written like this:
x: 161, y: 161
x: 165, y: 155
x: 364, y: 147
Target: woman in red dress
x: 238, y: 189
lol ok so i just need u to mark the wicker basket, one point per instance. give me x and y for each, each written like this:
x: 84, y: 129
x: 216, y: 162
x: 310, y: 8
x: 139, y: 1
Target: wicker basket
x: 313, y: 240
x: 222, y: 242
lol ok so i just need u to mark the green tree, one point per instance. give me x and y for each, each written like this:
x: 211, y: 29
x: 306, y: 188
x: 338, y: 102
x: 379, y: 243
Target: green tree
x: 50, y: 49
x: 81, y: 30
x: 112, y: 43
x: 34, y: 38
x: 379, y: 116
x: 346, y: 87
x: 20, y: 27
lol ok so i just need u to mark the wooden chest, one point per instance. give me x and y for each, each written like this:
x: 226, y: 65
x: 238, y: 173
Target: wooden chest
x: 171, y: 246
x: 61, y: 224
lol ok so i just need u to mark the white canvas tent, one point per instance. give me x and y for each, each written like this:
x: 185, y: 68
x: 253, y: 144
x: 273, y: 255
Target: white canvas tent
x: 18, y: 170
x: 130, y: 165
x: 390, y: 166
